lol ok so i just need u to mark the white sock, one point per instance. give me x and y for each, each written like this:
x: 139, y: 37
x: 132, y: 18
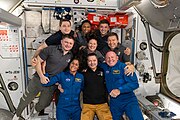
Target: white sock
x: 15, y: 117
x: 34, y: 111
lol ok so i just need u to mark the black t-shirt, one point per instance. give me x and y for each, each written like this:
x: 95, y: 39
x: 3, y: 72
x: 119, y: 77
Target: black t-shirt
x: 101, y: 41
x: 55, y: 38
x: 94, y: 87
x: 119, y: 50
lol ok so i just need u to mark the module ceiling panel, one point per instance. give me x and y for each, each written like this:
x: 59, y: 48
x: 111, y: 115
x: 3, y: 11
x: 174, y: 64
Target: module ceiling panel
x: 105, y: 4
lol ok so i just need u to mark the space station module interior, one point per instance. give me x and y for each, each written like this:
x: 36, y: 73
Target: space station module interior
x: 150, y: 28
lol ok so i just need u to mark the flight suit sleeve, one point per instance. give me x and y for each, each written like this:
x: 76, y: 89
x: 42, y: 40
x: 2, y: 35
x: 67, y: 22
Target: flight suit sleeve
x: 54, y: 79
x: 131, y: 83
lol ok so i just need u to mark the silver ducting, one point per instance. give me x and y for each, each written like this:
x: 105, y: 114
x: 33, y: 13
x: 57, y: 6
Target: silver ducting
x: 163, y: 15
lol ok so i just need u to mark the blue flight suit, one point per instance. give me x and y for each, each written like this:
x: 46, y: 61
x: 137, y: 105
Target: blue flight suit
x: 126, y: 101
x: 69, y: 103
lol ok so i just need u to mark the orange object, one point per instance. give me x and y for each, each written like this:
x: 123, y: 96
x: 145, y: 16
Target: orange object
x: 118, y: 20
x: 96, y: 18
x: 115, y: 19
x: 122, y: 21
x: 93, y: 18
x: 112, y: 20
x: 3, y: 32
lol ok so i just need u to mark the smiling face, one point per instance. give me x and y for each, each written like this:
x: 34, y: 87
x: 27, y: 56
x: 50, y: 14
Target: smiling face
x: 92, y: 45
x: 112, y: 42
x: 103, y: 28
x: 67, y: 43
x: 65, y: 27
x: 86, y: 28
x: 111, y: 58
x: 92, y: 62
x: 74, y: 66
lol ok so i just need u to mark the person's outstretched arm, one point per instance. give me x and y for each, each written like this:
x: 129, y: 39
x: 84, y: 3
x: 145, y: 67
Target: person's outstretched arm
x: 53, y: 79
x: 34, y: 59
x: 39, y: 70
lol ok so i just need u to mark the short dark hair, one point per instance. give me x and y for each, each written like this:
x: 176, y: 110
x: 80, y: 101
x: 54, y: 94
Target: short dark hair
x: 112, y: 34
x: 92, y: 54
x: 86, y: 21
x: 67, y: 36
x: 92, y: 39
x: 104, y: 21
x: 64, y: 20
x: 75, y: 58
x: 67, y: 68
x: 91, y: 36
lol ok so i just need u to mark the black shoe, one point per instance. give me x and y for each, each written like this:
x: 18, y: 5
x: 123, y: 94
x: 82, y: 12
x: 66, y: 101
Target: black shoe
x: 41, y: 113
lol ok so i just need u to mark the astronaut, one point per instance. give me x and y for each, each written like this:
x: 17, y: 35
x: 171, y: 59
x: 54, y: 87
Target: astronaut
x: 72, y: 83
x: 120, y: 88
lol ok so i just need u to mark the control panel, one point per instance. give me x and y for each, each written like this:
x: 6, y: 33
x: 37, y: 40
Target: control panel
x: 11, y: 65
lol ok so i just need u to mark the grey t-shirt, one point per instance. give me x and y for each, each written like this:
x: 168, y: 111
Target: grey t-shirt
x: 55, y: 60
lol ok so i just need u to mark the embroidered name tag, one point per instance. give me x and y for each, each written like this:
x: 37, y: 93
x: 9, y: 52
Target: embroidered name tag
x: 116, y: 71
x: 77, y: 79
